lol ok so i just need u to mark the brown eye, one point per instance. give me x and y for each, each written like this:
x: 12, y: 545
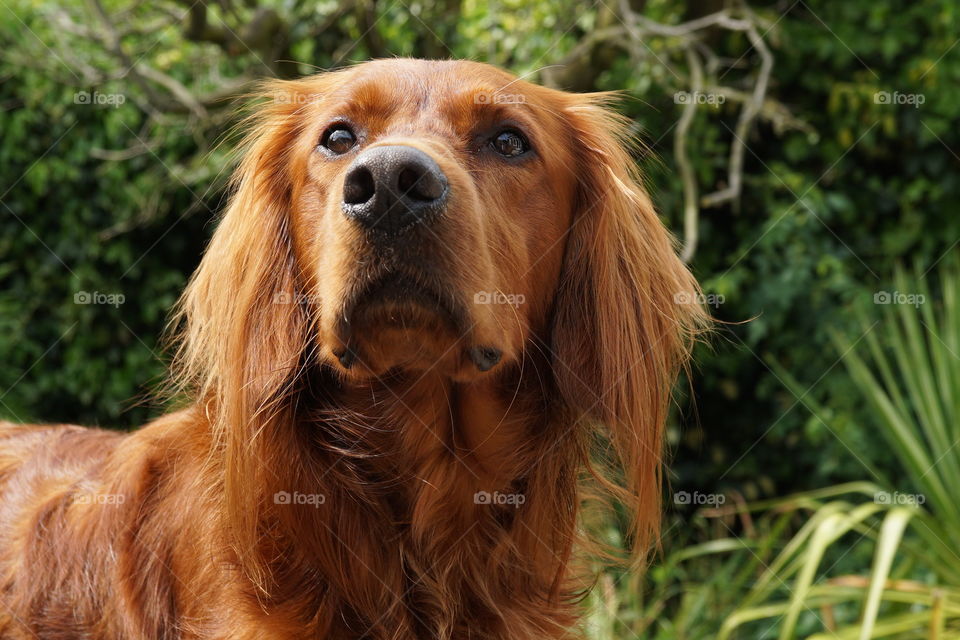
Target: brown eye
x: 510, y: 144
x: 338, y: 139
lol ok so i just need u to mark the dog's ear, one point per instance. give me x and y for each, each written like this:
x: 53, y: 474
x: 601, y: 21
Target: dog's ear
x: 626, y: 312
x: 243, y: 330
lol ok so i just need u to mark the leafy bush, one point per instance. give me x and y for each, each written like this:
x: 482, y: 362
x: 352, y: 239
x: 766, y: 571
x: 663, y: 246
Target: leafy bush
x: 907, y: 370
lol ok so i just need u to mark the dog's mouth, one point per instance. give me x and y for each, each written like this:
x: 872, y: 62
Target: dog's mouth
x: 401, y: 321
x: 396, y: 295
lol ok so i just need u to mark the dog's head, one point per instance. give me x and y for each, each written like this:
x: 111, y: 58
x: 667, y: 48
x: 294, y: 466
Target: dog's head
x: 402, y: 216
x: 431, y: 202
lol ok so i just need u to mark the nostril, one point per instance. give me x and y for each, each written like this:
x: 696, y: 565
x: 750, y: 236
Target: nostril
x: 358, y: 187
x: 407, y: 181
x: 420, y: 183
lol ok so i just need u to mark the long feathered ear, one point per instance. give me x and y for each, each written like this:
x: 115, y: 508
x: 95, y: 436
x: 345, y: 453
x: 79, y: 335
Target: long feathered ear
x: 243, y: 335
x: 626, y: 315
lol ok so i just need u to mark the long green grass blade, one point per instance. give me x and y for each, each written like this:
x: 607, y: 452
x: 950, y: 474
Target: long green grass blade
x: 918, y: 622
x: 890, y: 535
x: 909, y: 446
x: 830, y: 529
x: 916, y: 367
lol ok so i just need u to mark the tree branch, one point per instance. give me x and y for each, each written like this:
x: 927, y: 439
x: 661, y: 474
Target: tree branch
x: 689, y: 40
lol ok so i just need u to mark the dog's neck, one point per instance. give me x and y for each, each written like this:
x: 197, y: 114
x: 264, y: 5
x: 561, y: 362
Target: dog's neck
x: 471, y: 429
x: 453, y: 474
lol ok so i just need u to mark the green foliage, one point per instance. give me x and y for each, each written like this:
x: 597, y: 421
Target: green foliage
x: 907, y: 370
x: 825, y: 215
x: 688, y: 591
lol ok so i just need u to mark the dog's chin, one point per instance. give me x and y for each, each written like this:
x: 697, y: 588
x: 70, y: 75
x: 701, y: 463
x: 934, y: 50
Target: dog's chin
x: 397, y: 326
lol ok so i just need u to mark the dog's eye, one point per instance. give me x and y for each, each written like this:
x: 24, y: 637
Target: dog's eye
x: 510, y: 144
x: 338, y: 139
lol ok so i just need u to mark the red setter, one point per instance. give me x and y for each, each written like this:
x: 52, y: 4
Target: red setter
x: 438, y: 320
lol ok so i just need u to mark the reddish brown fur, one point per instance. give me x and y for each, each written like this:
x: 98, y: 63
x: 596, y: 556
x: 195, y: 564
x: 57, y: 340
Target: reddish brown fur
x: 399, y: 444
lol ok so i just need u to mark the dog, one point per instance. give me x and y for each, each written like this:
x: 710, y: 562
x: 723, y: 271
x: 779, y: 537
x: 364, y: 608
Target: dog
x: 437, y: 323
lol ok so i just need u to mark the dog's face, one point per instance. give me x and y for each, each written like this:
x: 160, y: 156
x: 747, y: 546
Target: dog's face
x: 430, y: 217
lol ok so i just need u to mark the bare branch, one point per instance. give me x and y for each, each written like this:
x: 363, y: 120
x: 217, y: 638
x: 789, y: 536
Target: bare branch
x: 691, y: 215
x: 688, y: 39
x: 748, y: 113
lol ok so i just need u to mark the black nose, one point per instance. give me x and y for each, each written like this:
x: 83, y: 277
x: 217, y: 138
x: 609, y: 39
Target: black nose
x: 389, y: 189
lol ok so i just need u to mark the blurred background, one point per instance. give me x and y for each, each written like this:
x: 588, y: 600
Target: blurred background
x: 805, y: 152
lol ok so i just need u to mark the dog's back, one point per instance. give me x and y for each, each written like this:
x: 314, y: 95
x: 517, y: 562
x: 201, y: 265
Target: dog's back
x: 85, y: 546
x: 43, y: 470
